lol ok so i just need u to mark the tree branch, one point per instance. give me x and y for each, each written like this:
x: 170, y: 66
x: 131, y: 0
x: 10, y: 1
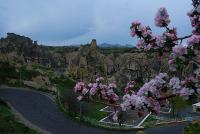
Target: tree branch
x: 182, y: 38
x: 166, y: 97
x: 108, y: 104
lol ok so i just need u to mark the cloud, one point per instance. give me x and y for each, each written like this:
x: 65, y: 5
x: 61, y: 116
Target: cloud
x: 48, y: 21
x: 77, y: 21
x: 112, y: 19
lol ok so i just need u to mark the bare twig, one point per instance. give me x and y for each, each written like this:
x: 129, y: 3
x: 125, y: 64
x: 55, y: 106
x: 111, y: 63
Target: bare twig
x: 182, y: 38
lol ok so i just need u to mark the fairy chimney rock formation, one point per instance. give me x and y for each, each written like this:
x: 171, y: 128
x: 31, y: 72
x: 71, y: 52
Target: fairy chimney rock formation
x: 94, y: 43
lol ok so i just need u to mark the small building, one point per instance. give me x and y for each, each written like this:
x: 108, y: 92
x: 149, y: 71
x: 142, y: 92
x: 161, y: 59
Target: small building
x: 196, y: 107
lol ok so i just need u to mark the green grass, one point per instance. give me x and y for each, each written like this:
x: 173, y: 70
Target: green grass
x: 150, y: 122
x: 8, y: 123
x: 180, y: 104
x: 28, y: 74
x: 93, y: 111
x: 43, y: 68
x: 193, y: 128
x: 63, y: 83
x: 7, y: 71
x: 151, y: 118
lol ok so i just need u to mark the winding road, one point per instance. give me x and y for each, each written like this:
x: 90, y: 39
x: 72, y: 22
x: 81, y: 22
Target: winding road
x: 42, y: 111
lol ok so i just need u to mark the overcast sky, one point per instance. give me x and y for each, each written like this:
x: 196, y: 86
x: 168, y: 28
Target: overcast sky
x: 62, y: 22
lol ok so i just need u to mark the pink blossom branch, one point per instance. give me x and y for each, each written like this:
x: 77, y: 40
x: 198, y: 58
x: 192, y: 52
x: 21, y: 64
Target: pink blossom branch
x: 118, y: 104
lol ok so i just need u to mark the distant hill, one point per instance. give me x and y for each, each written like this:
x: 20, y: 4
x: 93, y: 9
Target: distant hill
x: 107, y: 45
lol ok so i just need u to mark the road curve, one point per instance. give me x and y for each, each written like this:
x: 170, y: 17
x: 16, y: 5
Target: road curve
x: 41, y: 111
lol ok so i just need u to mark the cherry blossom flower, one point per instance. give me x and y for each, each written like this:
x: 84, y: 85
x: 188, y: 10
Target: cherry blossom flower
x: 135, y: 26
x: 160, y: 41
x: 174, y: 83
x: 93, y: 91
x: 179, y: 50
x: 141, y: 44
x: 112, y: 85
x: 85, y: 91
x: 99, y: 79
x: 162, y: 18
x: 79, y: 86
x: 193, y: 40
x: 194, y: 17
x: 115, y: 97
x: 186, y: 92
x: 170, y: 36
x: 130, y: 87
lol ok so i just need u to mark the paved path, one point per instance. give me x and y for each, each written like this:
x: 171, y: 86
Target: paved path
x: 43, y: 112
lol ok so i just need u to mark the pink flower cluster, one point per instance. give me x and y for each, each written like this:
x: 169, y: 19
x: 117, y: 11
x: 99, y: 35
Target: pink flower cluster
x: 162, y: 18
x: 186, y: 92
x: 146, y: 97
x: 135, y: 28
x: 181, y: 55
x: 140, y: 103
x: 170, y: 36
x: 179, y: 50
x: 81, y: 87
x: 152, y: 88
x: 180, y: 87
x: 107, y: 93
x: 194, y: 17
x: 132, y: 101
x: 130, y: 87
x: 193, y: 40
x: 178, y: 55
x: 141, y: 31
x: 147, y: 39
x: 174, y: 84
x: 98, y: 89
x: 99, y: 79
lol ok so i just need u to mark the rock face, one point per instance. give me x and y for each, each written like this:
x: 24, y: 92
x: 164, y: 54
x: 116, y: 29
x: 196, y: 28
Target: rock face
x: 87, y: 62
x: 31, y: 51
x: 119, y: 67
x: 84, y: 62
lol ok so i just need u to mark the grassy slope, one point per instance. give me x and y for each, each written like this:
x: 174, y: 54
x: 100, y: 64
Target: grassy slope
x: 8, y: 123
x: 193, y: 128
